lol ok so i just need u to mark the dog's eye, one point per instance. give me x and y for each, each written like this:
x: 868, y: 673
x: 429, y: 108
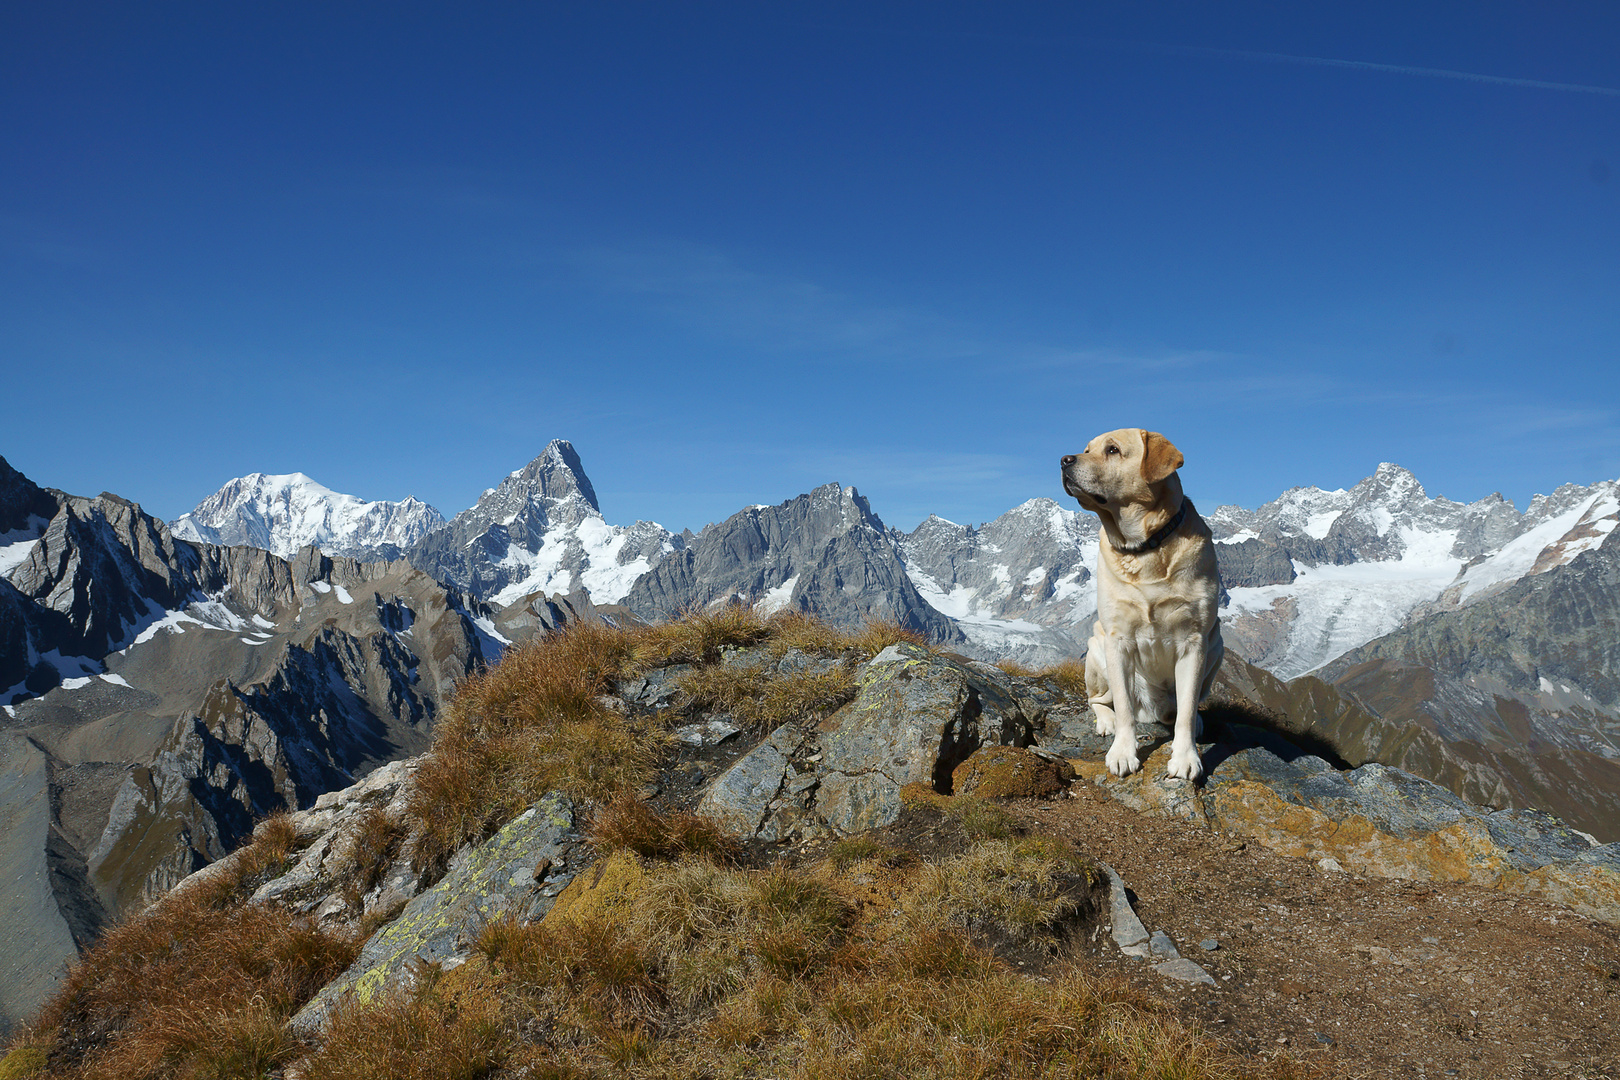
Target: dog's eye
x: 1113, y: 449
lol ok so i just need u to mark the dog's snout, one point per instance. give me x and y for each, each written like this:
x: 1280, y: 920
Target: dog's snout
x: 1068, y: 459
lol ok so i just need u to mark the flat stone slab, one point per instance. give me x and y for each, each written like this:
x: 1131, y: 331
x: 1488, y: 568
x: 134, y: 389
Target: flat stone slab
x: 1125, y: 928
x: 1184, y: 970
x: 485, y: 883
x: 1373, y: 820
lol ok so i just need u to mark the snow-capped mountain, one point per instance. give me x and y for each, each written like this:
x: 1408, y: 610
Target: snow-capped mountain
x: 1309, y: 576
x: 1020, y: 586
x: 541, y: 530
x: 1317, y: 573
x: 283, y: 513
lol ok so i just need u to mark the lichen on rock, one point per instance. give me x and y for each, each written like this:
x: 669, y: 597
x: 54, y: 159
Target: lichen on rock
x: 486, y: 882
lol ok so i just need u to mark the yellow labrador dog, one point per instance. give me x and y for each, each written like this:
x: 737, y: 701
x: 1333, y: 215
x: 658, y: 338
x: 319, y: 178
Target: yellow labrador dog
x: 1157, y: 642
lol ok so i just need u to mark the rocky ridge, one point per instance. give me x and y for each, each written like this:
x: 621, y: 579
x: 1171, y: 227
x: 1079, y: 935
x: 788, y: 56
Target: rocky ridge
x: 164, y: 695
x: 920, y: 723
x: 824, y: 552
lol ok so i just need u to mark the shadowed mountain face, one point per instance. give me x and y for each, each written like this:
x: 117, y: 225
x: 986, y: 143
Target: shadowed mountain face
x: 824, y: 552
x: 164, y: 695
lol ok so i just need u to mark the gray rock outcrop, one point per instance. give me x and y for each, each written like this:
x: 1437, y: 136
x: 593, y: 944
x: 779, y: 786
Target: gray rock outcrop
x: 825, y: 552
x: 916, y: 716
x: 509, y: 875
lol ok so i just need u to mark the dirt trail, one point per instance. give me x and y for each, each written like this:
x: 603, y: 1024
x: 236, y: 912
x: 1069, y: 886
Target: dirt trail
x: 1367, y: 977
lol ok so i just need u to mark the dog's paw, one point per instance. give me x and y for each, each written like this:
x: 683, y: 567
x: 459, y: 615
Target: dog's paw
x: 1122, y: 760
x: 1185, y: 764
x: 1104, y: 727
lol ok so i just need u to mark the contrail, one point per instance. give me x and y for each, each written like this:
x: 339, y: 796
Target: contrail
x: 1397, y: 69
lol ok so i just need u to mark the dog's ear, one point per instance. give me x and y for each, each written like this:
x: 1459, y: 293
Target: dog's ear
x: 1160, y: 457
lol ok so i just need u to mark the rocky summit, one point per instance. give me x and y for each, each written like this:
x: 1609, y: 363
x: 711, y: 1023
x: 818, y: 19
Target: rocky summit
x: 540, y: 531
x: 907, y: 768
x: 1416, y: 691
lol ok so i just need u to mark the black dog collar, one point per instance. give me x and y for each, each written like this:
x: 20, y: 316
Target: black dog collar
x: 1157, y: 539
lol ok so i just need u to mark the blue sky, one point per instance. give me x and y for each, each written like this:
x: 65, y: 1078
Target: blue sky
x: 732, y: 251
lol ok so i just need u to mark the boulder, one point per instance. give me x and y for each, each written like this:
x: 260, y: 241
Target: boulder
x: 1374, y: 820
x: 518, y: 872
x: 915, y: 718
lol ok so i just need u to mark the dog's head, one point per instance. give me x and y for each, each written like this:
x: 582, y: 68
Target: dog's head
x: 1124, y: 468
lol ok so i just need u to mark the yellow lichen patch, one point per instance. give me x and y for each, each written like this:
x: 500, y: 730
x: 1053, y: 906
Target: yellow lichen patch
x: 998, y: 772
x: 22, y: 1062
x: 599, y: 891
x: 1089, y: 771
x: 1460, y: 852
x: 1591, y: 890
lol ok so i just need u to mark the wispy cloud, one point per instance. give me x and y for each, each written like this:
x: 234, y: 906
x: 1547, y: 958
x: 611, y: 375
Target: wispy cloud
x: 714, y: 292
x: 710, y: 290
x: 1368, y: 65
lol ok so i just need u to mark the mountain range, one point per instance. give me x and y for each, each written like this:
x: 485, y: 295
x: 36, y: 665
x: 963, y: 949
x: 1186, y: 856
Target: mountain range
x: 163, y: 684
x: 1309, y: 576
x: 1486, y: 631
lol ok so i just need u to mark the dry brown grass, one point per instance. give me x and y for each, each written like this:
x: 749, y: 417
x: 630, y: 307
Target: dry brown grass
x: 1069, y: 675
x: 189, y: 990
x: 629, y: 824
x: 717, y: 972
x: 697, y: 637
x: 1020, y: 887
x: 372, y: 845
x: 537, y: 722
x: 766, y: 699
x: 424, y: 1034
x: 268, y: 853
x: 531, y: 724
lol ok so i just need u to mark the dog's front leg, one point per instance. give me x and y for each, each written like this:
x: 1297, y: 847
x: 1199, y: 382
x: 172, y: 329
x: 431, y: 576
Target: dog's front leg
x: 1184, y: 760
x: 1122, y: 759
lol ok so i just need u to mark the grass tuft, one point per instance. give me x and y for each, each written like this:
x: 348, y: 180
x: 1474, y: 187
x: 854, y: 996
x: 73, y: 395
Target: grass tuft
x: 533, y: 723
x: 630, y: 824
x: 373, y: 843
x: 267, y: 854
x: 863, y: 847
x: 425, y: 1034
x: 1069, y: 675
x: 768, y: 699
x: 1020, y: 888
x: 697, y: 637
x: 187, y: 989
